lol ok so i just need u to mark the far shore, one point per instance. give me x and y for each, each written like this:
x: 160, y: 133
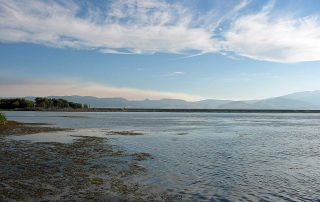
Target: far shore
x: 166, y: 110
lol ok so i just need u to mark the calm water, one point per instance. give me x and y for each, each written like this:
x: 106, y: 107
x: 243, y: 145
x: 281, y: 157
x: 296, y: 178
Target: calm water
x: 211, y: 157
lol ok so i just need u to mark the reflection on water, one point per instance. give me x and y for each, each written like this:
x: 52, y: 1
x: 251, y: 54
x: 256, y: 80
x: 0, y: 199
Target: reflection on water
x: 245, y: 157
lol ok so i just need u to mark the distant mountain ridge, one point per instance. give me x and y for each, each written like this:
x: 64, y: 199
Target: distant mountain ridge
x: 300, y: 100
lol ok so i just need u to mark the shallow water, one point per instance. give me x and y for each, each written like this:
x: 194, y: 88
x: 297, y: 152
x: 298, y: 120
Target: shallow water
x: 211, y: 156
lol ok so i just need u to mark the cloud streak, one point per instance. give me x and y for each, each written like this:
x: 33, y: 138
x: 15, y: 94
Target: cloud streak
x: 9, y: 88
x: 153, y: 26
x: 146, y: 26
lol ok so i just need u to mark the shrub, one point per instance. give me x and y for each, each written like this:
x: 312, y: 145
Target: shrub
x: 3, y: 119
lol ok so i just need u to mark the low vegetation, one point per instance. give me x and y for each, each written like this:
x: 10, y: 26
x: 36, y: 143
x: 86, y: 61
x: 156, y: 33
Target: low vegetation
x: 3, y: 119
x: 39, y: 103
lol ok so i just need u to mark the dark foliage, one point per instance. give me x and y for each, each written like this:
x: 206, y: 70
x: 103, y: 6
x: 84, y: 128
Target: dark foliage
x: 15, y: 103
x: 56, y: 103
x: 40, y: 102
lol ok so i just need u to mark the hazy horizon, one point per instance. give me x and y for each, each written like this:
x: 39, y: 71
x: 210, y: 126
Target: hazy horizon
x: 70, y: 95
x: 155, y: 49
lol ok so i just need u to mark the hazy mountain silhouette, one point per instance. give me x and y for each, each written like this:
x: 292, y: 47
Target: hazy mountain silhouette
x: 300, y: 100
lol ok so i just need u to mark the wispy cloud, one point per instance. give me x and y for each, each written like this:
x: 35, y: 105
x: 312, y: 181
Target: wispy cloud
x: 178, y: 73
x: 283, y: 39
x: 9, y: 88
x: 132, y: 26
x: 152, y: 26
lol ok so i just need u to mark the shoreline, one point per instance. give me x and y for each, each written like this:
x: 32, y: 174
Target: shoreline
x: 90, y: 168
x: 169, y: 110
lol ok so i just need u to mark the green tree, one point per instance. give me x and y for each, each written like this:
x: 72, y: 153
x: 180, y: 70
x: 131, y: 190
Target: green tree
x: 41, y: 102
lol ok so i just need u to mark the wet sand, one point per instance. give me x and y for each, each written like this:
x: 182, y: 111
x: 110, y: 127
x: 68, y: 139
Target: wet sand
x: 90, y: 168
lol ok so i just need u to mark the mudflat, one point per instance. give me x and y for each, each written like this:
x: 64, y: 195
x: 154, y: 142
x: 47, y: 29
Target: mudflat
x: 90, y: 168
x: 17, y: 128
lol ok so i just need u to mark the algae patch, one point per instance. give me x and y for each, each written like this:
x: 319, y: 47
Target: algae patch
x: 89, y: 168
x: 142, y: 156
x: 124, y: 133
x: 16, y: 128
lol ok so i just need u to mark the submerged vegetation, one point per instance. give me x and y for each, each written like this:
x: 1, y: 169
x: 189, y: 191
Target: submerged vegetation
x: 90, y: 168
x: 39, y: 103
x: 16, y: 128
x: 125, y: 133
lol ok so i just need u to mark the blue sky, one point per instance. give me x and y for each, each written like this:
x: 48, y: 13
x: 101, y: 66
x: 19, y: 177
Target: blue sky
x: 157, y: 49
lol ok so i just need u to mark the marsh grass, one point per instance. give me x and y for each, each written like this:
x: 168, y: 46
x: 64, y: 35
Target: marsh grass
x: 3, y: 119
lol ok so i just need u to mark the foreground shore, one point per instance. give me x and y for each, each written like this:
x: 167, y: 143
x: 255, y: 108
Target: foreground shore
x: 90, y: 168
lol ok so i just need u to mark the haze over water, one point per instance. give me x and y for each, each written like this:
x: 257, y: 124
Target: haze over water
x: 212, y: 156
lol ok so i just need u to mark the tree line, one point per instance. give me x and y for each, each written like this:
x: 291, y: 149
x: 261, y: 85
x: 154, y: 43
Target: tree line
x: 40, y: 102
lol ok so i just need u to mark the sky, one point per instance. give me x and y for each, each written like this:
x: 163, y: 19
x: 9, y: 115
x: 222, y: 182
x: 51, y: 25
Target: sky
x: 155, y: 49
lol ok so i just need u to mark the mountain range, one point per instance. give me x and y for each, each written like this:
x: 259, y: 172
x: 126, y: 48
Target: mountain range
x: 300, y: 100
